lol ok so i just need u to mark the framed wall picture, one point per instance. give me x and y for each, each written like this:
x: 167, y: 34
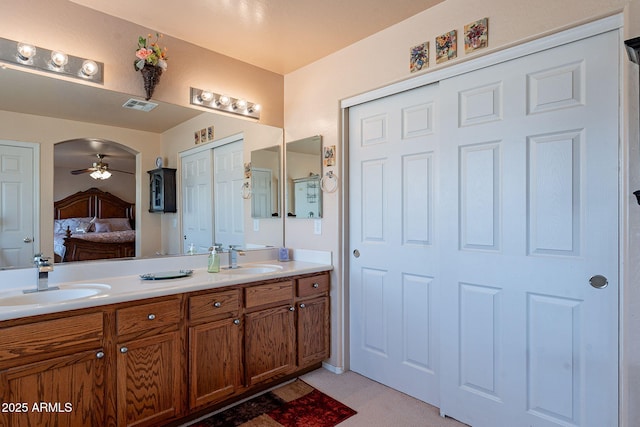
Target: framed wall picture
x: 419, y: 57
x: 476, y: 35
x: 446, y: 46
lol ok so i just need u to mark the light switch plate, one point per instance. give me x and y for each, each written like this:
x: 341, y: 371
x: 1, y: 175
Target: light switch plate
x: 317, y: 226
x: 256, y: 225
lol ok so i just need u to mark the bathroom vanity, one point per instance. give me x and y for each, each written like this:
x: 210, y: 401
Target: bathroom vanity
x: 195, y: 344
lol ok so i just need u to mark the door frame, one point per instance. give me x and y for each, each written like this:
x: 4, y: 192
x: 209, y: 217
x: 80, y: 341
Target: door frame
x: 611, y: 23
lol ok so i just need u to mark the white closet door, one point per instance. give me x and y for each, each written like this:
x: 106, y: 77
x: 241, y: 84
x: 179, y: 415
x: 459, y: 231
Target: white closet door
x: 197, y: 209
x: 529, y: 208
x: 394, y: 272
x: 479, y: 247
x: 228, y: 177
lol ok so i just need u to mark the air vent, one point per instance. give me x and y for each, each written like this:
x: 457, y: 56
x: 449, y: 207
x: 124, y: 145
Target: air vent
x: 136, y: 104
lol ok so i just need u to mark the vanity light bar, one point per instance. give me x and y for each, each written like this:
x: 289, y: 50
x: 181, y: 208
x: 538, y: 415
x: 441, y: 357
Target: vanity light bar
x: 215, y: 101
x: 51, y: 61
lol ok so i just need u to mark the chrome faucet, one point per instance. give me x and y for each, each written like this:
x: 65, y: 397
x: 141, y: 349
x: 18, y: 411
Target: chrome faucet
x: 42, y: 279
x: 233, y: 256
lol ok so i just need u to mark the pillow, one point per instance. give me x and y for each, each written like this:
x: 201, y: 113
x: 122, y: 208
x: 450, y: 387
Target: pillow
x: 117, y: 224
x: 102, y: 227
x: 60, y: 225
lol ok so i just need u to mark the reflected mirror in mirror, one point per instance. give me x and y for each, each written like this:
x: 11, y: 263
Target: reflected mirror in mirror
x: 265, y: 183
x: 304, y: 169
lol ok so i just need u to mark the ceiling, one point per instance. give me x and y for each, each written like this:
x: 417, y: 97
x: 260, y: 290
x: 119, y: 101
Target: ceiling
x: 277, y: 35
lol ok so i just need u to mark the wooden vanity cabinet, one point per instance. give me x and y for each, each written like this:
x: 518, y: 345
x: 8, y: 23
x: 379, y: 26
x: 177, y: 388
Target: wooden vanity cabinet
x: 155, y: 361
x: 270, y: 331
x: 149, y: 360
x: 52, y: 372
x: 313, y: 326
x: 215, y: 346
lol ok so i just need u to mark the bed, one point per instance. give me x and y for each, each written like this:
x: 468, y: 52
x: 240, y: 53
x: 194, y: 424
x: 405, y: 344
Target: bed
x: 93, y: 224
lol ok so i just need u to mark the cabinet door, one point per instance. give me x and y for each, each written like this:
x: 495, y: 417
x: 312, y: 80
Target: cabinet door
x: 66, y: 391
x: 214, y: 361
x: 269, y: 343
x: 149, y: 384
x: 313, y: 331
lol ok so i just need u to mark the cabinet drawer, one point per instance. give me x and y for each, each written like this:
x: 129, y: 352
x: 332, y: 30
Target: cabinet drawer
x: 48, y: 336
x: 147, y: 316
x: 215, y: 305
x: 268, y: 294
x: 313, y: 285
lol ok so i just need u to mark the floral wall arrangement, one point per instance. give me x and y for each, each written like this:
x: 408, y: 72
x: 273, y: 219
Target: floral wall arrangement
x: 151, y: 62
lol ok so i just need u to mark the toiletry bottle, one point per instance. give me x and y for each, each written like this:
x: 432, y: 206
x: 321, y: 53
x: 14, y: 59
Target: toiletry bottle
x: 214, y: 261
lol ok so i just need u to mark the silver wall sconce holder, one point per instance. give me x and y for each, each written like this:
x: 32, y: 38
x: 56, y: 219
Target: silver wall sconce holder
x: 51, y: 61
x: 227, y: 104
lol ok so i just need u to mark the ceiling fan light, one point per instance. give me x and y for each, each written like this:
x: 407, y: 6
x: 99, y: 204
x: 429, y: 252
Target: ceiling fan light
x: 96, y: 174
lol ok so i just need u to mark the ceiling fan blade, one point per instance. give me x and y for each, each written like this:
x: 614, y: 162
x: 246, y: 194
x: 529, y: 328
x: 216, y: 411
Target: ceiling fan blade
x: 80, y: 171
x: 117, y: 170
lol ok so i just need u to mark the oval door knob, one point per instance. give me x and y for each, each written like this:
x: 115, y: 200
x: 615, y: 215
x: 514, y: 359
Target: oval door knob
x: 27, y: 240
x: 598, y: 281
x: 356, y: 253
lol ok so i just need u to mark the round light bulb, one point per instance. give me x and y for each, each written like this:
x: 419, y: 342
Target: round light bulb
x: 206, y: 96
x: 254, y: 108
x: 26, y: 51
x: 89, y: 68
x: 240, y: 104
x: 224, y: 100
x: 59, y: 59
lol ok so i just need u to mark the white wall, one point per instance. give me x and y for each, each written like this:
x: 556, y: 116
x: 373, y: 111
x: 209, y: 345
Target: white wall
x: 312, y: 106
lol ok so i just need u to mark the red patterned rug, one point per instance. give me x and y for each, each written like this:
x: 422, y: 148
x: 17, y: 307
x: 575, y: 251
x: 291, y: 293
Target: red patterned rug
x: 296, y: 404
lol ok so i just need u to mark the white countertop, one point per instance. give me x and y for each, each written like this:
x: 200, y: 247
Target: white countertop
x: 129, y: 287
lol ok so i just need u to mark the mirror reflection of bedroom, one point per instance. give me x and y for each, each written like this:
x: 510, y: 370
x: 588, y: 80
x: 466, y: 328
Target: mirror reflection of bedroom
x: 94, y: 200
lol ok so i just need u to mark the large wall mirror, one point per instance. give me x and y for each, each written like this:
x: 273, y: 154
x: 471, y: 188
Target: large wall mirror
x: 31, y: 113
x: 304, y: 170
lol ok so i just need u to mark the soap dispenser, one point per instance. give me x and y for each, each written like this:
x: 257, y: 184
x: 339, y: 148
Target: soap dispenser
x: 214, y: 260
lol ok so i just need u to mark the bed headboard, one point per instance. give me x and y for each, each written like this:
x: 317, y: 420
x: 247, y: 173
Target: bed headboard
x: 95, y: 203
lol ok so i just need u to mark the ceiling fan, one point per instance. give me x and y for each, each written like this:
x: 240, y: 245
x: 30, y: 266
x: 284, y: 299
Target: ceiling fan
x: 99, y: 170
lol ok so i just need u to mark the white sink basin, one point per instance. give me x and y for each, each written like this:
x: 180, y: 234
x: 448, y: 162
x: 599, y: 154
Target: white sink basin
x: 66, y: 293
x: 253, y: 269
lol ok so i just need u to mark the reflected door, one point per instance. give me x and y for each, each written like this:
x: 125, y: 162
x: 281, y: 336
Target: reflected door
x: 16, y: 205
x: 228, y: 177
x: 197, y: 211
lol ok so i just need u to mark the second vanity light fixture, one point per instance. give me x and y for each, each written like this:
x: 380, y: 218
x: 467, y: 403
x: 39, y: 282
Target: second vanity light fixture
x: 214, y: 101
x: 52, y: 61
